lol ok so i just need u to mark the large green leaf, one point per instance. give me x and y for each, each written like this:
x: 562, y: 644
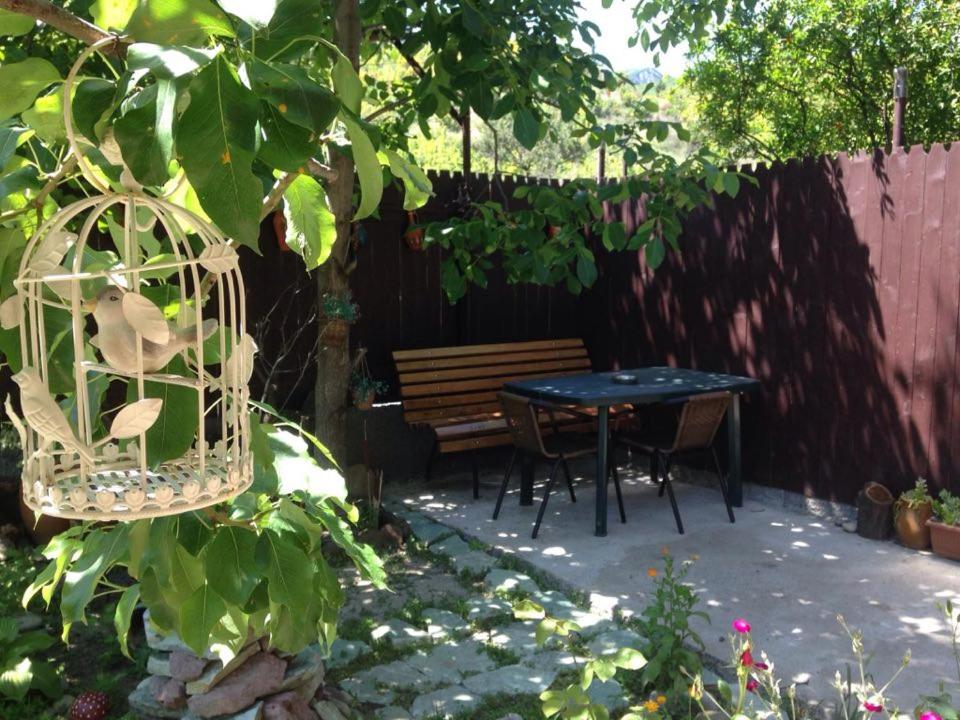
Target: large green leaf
x: 174, y: 431
x: 288, y: 569
x: 124, y: 612
x: 256, y: 13
x: 347, y: 84
x: 14, y: 24
x: 112, y: 14
x: 228, y: 562
x: 46, y: 117
x: 311, y: 228
x: 526, y: 128
x: 101, y: 549
x: 367, y: 166
x: 216, y: 142
x: 298, y: 97
x: 92, y: 102
x: 167, y: 62
x: 363, y: 556
x: 178, y: 22
x: 15, y: 682
x: 145, y: 135
x: 21, y: 82
x: 11, y: 137
x: 284, y: 146
x: 293, y: 19
x: 198, y: 616
x: 417, y: 187
x: 298, y: 472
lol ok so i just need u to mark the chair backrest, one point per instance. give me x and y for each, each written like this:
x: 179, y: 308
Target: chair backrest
x: 521, y: 417
x: 700, y: 420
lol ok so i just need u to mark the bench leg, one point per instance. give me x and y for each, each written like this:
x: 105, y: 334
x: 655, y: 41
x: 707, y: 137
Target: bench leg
x: 434, y: 451
x: 476, y: 474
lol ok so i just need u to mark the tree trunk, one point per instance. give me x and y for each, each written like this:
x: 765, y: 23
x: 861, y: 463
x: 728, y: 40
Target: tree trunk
x: 333, y: 357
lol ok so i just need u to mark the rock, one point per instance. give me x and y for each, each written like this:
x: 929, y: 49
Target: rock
x: 185, y: 666
x: 444, y: 703
x: 159, y: 664
x: 450, y: 662
x: 506, y: 581
x: 559, y: 606
x: 443, y: 623
x: 399, y: 674
x: 367, y: 690
x: 160, y: 642
x: 172, y: 695
x: 254, y: 712
x: 261, y: 675
x: 607, y: 643
x: 344, y: 651
x: 511, y: 680
x: 287, y: 706
x: 218, y: 670
x: 328, y: 710
x: 850, y: 526
x: 392, y: 713
x: 482, y: 608
x: 305, y: 672
x: 519, y: 637
x: 426, y: 530
x: 29, y: 621
x: 143, y: 703
x: 399, y: 633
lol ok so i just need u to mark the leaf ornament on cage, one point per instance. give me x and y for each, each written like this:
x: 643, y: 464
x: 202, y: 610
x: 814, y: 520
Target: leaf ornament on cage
x: 171, y: 329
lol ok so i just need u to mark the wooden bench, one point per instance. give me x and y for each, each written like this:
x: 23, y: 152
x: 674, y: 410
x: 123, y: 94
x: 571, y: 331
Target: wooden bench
x: 453, y: 390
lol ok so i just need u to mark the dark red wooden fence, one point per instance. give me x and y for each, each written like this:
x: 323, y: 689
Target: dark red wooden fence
x: 835, y: 281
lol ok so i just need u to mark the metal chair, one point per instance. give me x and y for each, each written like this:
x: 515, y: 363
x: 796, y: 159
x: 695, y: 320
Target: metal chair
x: 521, y: 415
x: 697, y: 427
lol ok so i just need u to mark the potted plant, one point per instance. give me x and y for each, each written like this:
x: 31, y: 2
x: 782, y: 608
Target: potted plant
x: 413, y: 235
x: 340, y: 312
x: 945, y: 526
x: 911, y: 512
x: 365, y: 390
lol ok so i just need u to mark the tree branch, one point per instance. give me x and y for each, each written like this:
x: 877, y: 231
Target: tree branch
x: 66, y: 22
x: 69, y: 165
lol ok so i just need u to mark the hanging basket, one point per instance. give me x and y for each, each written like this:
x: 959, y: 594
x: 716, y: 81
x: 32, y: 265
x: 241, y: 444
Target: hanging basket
x: 77, y: 463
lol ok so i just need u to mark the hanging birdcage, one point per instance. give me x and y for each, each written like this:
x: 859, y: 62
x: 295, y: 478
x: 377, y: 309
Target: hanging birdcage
x: 180, y: 348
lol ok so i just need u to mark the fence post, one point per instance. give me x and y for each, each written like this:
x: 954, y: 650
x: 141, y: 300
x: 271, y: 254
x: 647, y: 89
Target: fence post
x: 601, y: 163
x: 899, y: 104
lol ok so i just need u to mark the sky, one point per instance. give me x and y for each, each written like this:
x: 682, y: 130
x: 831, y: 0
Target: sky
x: 616, y: 26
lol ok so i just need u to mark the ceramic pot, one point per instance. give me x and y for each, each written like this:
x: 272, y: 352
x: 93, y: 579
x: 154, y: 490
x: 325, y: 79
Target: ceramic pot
x: 911, y: 525
x: 365, y: 400
x: 945, y: 539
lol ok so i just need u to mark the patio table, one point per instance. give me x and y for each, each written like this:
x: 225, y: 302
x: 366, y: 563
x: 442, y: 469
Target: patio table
x: 653, y: 385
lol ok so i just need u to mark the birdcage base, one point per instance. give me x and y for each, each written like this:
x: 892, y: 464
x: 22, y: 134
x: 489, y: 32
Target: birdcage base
x: 124, y: 494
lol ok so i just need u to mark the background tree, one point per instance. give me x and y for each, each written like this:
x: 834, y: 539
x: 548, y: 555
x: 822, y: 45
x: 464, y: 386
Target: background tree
x: 791, y: 78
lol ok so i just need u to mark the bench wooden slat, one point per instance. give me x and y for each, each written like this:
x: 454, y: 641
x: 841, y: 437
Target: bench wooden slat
x: 439, y: 401
x: 485, y: 441
x: 455, y: 386
x: 447, y: 414
x: 400, y: 355
x: 497, y: 371
x: 492, y: 359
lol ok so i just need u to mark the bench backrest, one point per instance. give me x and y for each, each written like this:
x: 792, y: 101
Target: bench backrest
x: 438, y: 383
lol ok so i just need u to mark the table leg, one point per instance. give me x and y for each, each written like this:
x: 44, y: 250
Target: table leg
x: 734, y: 467
x: 527, y: 464
x: 603, y: 421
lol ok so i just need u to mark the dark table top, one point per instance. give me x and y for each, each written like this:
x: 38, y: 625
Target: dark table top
x: 654, y: 384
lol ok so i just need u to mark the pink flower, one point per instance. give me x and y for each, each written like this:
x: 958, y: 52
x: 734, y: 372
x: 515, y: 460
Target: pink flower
x: 741, y: 626
x: 746, y: 659
x: 752, y: 685
x: 930, y: 715
x: 872, y: 707
x: 761, y: 666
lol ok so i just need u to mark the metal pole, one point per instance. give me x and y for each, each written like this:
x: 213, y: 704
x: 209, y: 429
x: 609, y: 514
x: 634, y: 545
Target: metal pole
x: 899, y: 104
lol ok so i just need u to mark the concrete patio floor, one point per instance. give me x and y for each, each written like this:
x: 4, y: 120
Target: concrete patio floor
x: 789, y: 574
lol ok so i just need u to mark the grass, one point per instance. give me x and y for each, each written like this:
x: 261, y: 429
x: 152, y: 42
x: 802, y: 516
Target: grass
x: 500, y: 655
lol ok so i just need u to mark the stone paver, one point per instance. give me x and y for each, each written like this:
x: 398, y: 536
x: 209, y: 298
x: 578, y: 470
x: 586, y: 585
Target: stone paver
x: 511, y: 680
x: 464, y: 557
x: 392, y: 713
x: 427, y: 531
x: 519, y: 637
x: 452, y: 546
x: 399, y: 633
x: 609, y: 694
x: 443, y: 623
x: 483, y: 608
x: 400, y: 675
x: 559, y: 606
x: 445, y: 703
x: 505, y: 581
x: 342, y: 652
x: 453, y: 661
x: 366, y: 690
x: 607, y: 643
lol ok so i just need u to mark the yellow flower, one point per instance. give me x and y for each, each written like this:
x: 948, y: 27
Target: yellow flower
x: 661, y: 699
x: 651, y: 706
x: 664, y: 551
x: 652, y: 572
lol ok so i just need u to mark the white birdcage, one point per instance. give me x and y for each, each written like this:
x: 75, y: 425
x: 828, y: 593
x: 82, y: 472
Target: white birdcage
x: 75, y: 466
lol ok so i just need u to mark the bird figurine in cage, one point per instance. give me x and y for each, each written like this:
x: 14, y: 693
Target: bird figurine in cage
x: 134, y: 369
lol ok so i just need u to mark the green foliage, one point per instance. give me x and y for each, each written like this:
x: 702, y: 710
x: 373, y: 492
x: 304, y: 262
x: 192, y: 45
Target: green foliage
x: 791, y: 78
x: 311, y: 230
x: 253, y: 565
x: 914, y: 498
x: 671, y: 643
x: 361, y: 384
x: 339, y: 307
x: 18, y: 673
x: 946, y: 508
x: 573, y: 701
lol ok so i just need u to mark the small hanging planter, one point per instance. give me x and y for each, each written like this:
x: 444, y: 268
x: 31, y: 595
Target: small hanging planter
x: 413, y: 235
x: 363, y: 388
x: 339, y: 313
x: 280, y: 230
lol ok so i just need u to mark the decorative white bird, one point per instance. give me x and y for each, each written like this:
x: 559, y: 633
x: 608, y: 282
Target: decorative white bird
x: 120, y: 315
x: 43, y: 414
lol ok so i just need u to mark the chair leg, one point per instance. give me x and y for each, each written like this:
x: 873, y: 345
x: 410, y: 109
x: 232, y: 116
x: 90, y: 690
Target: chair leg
x: 616, y: 486
x: 476, y: 474
x: 661, y: 473
x: 546, y: 496
x: 723, y: 484
x: 566, y: 472
x: 673, y: 500
x: 503, y: 485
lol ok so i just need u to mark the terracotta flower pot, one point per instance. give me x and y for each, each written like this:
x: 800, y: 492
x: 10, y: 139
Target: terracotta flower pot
x: 945, y: 539
x: 364, y: 401
x: 911, y: 525
x: 335, y: 332
x: 44, y: 528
